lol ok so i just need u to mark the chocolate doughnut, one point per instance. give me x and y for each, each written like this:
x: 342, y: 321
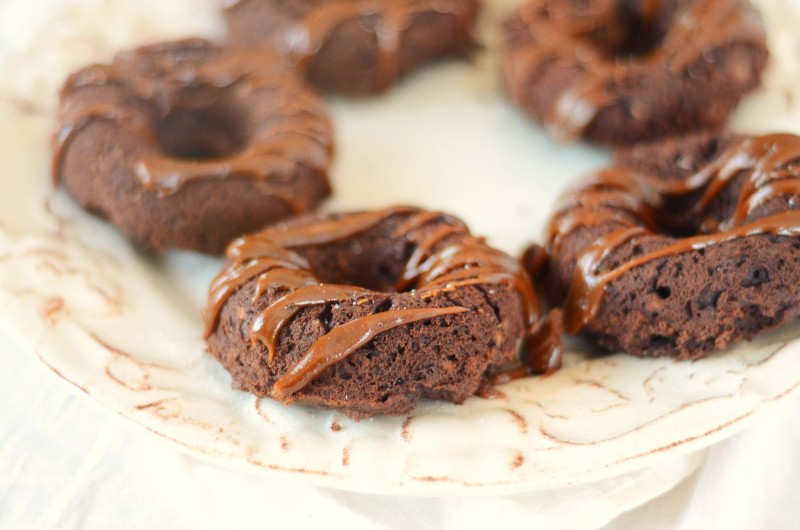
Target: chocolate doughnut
x: 625, y: 71
x: 683, y: 248
x: 184, y: 145
x: 367, y: 312
x: 355, y: 47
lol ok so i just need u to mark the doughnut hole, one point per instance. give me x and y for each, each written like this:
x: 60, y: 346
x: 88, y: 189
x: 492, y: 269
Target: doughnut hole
x: 374, y: 259
x: 203, y: 127
x: 631, y: 31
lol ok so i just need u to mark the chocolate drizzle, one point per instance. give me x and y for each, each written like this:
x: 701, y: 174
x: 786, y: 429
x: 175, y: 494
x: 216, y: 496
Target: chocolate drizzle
x: 343, y: 340
x: 568, y: 35
x: 543, y: 345
x: 630, y: 205
x: 445, y: 258
x: 142, y: 87
x: 388, y: 21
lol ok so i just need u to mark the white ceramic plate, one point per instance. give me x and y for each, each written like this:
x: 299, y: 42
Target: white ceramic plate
x: 124, y: 327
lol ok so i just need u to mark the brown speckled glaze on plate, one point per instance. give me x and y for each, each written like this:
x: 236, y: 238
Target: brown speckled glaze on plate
x: 124, y: 327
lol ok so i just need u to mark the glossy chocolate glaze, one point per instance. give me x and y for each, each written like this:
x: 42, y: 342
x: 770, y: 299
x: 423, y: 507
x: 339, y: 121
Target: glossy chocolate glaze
x: 444, y: 258
x: 631, y: 205
x: 157, y: 80
x: 564, y: 34
x: 542, y: 346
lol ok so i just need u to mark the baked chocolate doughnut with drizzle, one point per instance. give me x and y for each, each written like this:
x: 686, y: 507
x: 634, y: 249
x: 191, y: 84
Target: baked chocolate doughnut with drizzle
x: 367, y: 312
x: 682, y: 249
x: 182, y: 144
x: 355, y: 47
x: 626, y: 71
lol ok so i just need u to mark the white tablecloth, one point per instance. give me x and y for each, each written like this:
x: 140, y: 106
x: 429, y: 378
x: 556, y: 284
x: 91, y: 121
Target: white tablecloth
x: 65, y: 462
